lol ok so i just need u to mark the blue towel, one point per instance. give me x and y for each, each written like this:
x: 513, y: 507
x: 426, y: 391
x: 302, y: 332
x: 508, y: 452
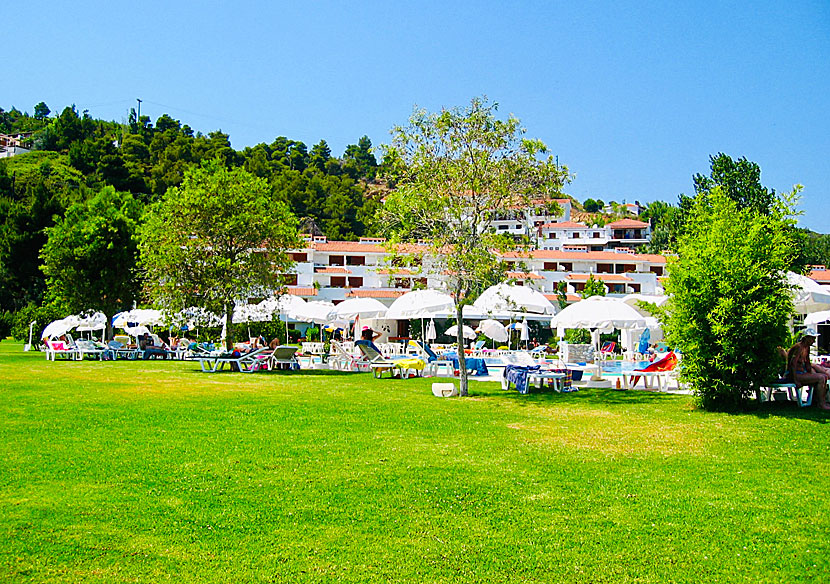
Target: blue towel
x: 519, y: 376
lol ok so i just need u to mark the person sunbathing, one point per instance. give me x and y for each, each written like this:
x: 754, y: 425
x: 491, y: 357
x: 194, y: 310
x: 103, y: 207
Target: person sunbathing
x: 804, y: 372
x: 367, y: 337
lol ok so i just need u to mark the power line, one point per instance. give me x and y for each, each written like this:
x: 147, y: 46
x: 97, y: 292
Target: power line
x: 206, y: 116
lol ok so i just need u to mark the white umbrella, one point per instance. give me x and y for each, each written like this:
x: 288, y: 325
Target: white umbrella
x: 363, y: 307
x: 59, y: 327
x: 467, y: 331
x: 493, y: 329
x: 420, y: 304
x: 431, y: 333
x: 811, y: 320
x: 92, y: 321
x: 317, y: 312
x: 808, y: 295
x: 145, y: 316
x: 525, y: 336
x: 506, y: 298
x: 195, y: 316
x: 598, y: 312
x: 633, y: 299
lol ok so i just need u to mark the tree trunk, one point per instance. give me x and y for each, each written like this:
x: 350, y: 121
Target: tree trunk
x: 459, y: 339
x: 228, y: 327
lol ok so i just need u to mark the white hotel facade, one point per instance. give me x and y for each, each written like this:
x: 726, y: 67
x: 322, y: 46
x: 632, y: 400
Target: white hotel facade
x: 565, y: 251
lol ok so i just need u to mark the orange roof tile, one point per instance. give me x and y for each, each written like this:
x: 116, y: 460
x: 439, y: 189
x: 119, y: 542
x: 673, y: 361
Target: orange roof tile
x: 301, y: 290
x: 332, y: 270
x: 600, y: 277
x: 376, y: 292
x: 568, y: 297
x: 627, y: 224
x: 554, y: 254
x: 524, y: 276
x: 565, y: 225
x: 362, y: 247
x: 820, y: 276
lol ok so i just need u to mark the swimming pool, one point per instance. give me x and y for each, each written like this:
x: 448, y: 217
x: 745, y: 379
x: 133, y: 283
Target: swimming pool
x: 620, y: 367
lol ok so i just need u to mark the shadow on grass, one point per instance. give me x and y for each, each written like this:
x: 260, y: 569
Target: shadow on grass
x: 784, y: 409
x: 281, y: 372
x: 781, y: 409
x: 584, y: 395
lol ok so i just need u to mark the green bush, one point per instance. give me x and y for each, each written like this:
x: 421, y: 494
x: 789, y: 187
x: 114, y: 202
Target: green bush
x: 42, y: 315
x: 730, y: 306
x: 578, y: 336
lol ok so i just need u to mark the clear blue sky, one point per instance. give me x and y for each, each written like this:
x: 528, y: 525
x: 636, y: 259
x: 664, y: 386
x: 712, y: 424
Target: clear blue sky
x: 632, y: 96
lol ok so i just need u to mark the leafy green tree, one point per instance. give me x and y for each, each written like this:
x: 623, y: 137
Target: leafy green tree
x: 27, y: 207
x: 667, y: 225
x: 320, y: 155
x: 42, y: 111
x: 593, y: 287
x: 740, y: 180
x: 814, y: 248
x: 593, y: 206
x: 90, y: 255
x: 219, y: 237
x: 729, y: 308
x: 359, y: 162
x: 455, y: 171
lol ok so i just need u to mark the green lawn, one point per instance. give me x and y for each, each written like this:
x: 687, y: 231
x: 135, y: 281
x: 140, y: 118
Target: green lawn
x: 154, y: 471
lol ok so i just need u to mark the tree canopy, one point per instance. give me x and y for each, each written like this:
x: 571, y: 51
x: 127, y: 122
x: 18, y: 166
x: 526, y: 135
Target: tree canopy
x: 219, y: 237
x: 90, y: 254
x: 454, y: 172
x: 729, y: 306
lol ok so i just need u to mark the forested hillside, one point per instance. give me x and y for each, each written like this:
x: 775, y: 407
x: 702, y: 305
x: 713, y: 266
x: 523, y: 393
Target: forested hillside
x: 76, y: 158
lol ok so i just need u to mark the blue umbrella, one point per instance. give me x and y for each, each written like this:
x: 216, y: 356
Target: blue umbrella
x: 642, y: 348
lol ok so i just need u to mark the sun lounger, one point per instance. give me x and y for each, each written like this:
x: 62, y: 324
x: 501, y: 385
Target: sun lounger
x: 284, y: 355
x: 61, y: 350
x: 89, y: 349
x: 342, y: 360
x: 120, y: 351
x: 402, y: 366
x: 244, y: 362
x: 657, y: 371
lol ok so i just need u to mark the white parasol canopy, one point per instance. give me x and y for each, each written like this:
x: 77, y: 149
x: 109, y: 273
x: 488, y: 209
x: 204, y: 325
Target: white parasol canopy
x: 814, y: 318
x: 525, y: 334
x: 808, y: 295
x: 91, y: 321
x: 507, y: 298
x: 493, y: 329
x: 467, y: 331
x: 362, y: 307
x: 145, y: 316
x: 431, y: 332
x: 59, y: 327
x: 317, y: 312
x: 598, y: 312
x: 194, y: 316
x: 420, y: 304
x: 632, y: 299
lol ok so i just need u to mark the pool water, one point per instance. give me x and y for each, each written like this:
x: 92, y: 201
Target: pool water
x: 618, y: 367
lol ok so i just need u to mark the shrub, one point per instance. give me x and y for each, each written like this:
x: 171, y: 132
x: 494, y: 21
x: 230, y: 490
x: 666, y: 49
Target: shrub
x: 730, y: 306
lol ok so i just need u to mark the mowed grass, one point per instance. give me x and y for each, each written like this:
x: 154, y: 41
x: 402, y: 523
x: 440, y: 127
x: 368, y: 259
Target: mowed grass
x: 154, y: 472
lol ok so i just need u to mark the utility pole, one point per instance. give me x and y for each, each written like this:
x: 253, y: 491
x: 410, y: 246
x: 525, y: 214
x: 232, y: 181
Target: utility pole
x: 138, y: 116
